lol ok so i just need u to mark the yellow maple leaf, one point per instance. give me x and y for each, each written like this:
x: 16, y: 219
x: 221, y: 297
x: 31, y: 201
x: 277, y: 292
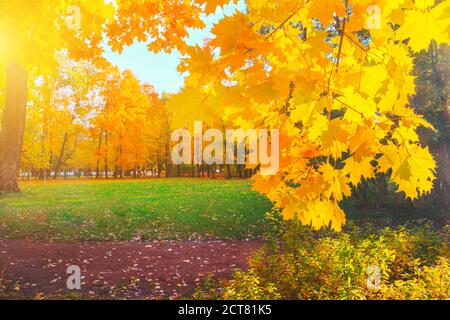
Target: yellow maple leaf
x: 422, y: 26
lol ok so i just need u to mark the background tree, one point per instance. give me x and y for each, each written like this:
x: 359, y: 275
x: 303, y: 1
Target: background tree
x: 41, y: 28
x: 31, y: 33
x: 431, y: 100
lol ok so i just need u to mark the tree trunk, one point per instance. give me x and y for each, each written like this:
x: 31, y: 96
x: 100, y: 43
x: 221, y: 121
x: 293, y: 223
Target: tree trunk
x: 239, y: 170
x: 98, y: 150
x: 61, y: 155
x: 106, y: 155
x: 13, y: 127
x: 167, y: 160
x: 41, y: 174
x: 228, y: 166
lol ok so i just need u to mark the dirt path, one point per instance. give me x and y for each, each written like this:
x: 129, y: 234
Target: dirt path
x: 137, y: 270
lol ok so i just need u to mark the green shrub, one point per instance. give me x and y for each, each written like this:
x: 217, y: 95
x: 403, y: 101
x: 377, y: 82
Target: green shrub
x: 298, y: 263
x: 247, y: 286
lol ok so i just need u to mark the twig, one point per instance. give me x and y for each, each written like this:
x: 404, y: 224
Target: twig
x: 280, y: 26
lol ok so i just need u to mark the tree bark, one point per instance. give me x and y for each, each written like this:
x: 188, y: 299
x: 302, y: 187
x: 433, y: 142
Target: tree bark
x: 13, y: 127
x: 99, y: 147
x: 106, y: 155
x: 159, y: 169
x: 239, y: 170
x: 228, y: 167
x: 61, y: 155
x: 168, y: 171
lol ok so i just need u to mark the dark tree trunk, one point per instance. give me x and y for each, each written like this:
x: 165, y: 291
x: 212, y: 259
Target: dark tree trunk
x: 97, y: 173
x: 41, y: 174
x: 239, y: 170
x: 13, y: 127
x: 228, y: 166
x: 167, y: 160
x: 106, y: 155
x: 61, y: 155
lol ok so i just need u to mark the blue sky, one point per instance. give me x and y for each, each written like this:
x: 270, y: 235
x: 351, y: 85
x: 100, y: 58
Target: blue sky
x: 160, y: 69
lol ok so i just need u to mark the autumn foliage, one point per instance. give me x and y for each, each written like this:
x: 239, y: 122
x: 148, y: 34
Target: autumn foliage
x: 335, y: 83
x: 335, y: 86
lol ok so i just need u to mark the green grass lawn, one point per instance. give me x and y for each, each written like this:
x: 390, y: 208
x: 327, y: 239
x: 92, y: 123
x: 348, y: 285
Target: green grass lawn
x: 123, y: 210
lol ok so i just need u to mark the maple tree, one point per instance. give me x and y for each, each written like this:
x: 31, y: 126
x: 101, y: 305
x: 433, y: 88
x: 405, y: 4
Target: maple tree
x: 129, y: 107
x: 31, y: 34
x: 59, y: 109
x: 86, y: 118
x: 42, y: 27
x: 336, y: 87
x: 333, y: 76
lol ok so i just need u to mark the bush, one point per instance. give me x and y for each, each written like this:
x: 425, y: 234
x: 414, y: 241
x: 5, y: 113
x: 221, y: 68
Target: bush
x: 247, y: 286
x: 297, y: 263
